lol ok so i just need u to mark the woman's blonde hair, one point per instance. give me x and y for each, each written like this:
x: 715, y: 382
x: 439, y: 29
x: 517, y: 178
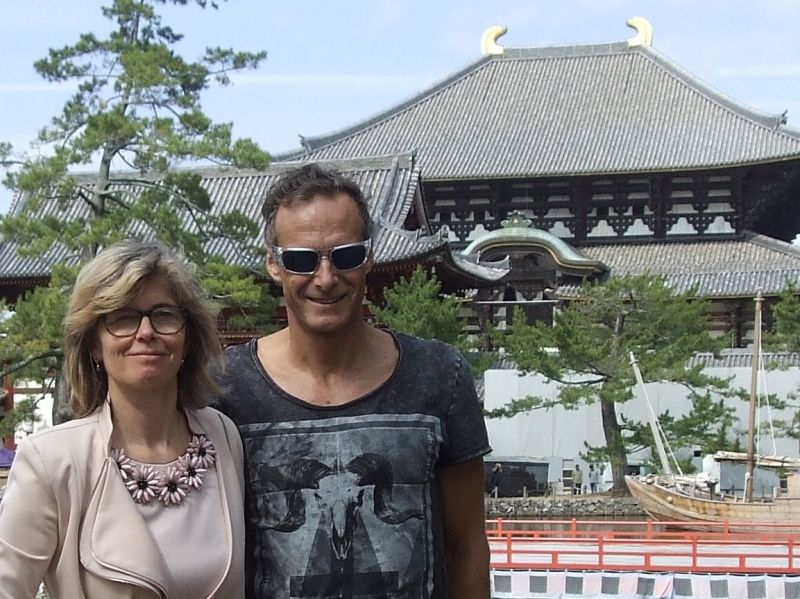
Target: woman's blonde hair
x: 111, y: 281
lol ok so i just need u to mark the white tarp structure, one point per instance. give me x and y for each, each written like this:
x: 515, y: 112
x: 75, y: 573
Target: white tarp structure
x: 559, y: 433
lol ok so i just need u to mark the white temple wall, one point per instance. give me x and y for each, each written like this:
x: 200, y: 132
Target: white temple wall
x: 560, y: 434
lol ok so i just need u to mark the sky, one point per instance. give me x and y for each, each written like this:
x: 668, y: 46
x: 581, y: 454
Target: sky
x: 331, y: 64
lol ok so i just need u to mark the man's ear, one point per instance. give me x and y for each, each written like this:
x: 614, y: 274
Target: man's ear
x: 272, y: 267
x: 370, y: 261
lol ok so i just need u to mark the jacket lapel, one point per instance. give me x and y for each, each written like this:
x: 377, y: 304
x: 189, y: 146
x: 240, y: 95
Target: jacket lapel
x: 224, y: 463
x: 114, y: 541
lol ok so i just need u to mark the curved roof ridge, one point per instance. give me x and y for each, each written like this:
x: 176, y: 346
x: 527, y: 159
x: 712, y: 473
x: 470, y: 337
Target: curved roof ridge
x: 650, y: 114
x: 313, y: 143
x: 775, y: 123
x: 564, y: 252
x: 564, y: 50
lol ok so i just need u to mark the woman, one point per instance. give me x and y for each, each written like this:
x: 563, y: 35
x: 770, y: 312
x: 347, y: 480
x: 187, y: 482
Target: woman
x: 142, y: 495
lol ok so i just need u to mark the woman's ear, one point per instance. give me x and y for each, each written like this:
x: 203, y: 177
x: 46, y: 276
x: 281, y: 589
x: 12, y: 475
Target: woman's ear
x: 96, y: 351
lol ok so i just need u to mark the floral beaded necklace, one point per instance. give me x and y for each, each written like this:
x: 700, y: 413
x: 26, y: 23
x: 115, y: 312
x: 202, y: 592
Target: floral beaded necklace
x: 145, y: 484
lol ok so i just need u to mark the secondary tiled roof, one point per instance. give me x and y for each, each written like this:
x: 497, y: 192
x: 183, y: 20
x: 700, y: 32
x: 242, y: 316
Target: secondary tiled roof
x: 390, y: 183
x: 717, y: 269
x: 743, y: 358
x: 566, y: 110
x: 727, y: 358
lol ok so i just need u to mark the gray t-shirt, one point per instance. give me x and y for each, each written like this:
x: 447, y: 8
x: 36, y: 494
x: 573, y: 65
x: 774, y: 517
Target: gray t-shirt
x: 343, y: 500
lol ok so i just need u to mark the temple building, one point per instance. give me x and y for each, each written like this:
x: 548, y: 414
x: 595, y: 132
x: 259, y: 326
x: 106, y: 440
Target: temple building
x: 585, y: 161
x: 533, y: 170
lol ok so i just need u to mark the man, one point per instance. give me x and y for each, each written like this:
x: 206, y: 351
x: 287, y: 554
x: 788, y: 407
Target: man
x: 363, y: 447
x: 495, y: 480
x: 577, y: 480
x: 594, y: 478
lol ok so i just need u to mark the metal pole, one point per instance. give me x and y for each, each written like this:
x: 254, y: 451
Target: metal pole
x: 751, y: 424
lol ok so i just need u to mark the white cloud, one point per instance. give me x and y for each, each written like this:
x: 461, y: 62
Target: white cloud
x: 387, y: 13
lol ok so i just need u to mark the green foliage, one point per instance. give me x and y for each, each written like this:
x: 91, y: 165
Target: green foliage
x: 587, y: 350
x: 706, y: 426
x: 785, y: 336
x: 415, y: 306
x: 785, y: 333
x: 24, y: 413
x: 136, y: 114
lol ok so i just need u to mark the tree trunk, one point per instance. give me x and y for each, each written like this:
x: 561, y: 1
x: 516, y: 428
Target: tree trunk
x: 62, y: 412
x: 613, y: 431
x: 616, y: 447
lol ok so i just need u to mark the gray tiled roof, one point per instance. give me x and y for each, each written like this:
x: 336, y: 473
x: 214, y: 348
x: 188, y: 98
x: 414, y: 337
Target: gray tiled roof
x: 390, y: 183
x: 725, y: 268
x: 727, y: 358
x: 567, y: 110
x: 743, y: 358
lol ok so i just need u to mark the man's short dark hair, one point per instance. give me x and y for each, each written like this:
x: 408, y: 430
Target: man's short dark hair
x: 303, y: 184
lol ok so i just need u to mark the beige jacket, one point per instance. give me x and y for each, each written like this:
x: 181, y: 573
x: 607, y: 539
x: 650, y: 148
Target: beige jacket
x: 67, y: 518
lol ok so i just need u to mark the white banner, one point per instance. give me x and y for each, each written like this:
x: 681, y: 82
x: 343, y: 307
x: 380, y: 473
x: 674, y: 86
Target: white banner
x: 518, y: 584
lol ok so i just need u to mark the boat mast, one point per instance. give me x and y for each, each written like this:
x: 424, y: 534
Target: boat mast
x: 662, y: 453
x: 751, y: 425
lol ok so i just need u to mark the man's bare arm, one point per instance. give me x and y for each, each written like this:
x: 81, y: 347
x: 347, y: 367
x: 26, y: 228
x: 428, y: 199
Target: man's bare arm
x: 466, y: 549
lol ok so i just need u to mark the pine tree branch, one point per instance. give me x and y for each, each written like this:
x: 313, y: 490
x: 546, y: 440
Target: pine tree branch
x: 55, y: 353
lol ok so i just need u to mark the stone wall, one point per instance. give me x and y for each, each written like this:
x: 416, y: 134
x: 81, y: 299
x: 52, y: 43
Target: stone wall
x: 564, y: 506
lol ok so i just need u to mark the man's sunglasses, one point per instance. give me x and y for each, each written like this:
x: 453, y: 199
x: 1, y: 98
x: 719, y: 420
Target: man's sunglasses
x: 305, y: 261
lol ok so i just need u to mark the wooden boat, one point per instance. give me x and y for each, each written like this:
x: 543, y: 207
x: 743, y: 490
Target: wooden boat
x: 682, y: 506
x: 686, y: 500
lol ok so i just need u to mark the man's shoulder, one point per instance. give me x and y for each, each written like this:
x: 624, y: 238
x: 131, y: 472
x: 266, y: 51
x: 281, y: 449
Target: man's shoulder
x: 239, y: 351
x: 241, y: 374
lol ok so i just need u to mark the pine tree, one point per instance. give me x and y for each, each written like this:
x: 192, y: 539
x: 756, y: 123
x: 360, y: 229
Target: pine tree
x: 416, y: 306
x: 587, y: 351
x: 133, y: 121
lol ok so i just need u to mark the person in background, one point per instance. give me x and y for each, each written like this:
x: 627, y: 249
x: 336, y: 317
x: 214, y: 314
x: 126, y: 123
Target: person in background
x: 594, y: 478
x: 577, y: 480
x: 495, y: 480
x: 142, y: 495
x: 363, y: 446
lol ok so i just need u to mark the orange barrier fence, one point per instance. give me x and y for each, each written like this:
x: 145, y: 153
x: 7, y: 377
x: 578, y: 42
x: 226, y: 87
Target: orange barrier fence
x: 640, y: 546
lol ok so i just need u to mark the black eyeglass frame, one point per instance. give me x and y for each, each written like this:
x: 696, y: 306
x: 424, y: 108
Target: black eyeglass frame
x: 149, y: 313
x: 278, y: 252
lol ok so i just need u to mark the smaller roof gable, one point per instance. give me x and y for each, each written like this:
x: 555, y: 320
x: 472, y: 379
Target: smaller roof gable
x: 566, y: 110
x: 517, y: 234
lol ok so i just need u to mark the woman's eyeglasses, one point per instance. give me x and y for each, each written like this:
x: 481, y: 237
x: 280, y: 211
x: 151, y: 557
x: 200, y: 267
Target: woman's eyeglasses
x: 165, y: 320
x: 305, y: 261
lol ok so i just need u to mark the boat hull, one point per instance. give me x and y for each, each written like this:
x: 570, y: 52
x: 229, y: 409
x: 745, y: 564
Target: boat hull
x: 684, y: 511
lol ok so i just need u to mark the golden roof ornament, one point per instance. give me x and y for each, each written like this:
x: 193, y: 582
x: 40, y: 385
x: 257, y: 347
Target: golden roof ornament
x: 489, y: 45
x: 644, y: 32
x: 516, y: 219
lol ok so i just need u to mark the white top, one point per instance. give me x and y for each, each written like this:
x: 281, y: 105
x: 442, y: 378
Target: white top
x: 191, y: 536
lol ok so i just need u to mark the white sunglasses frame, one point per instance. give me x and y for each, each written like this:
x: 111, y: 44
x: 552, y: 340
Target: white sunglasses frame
x: 277, y: 253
